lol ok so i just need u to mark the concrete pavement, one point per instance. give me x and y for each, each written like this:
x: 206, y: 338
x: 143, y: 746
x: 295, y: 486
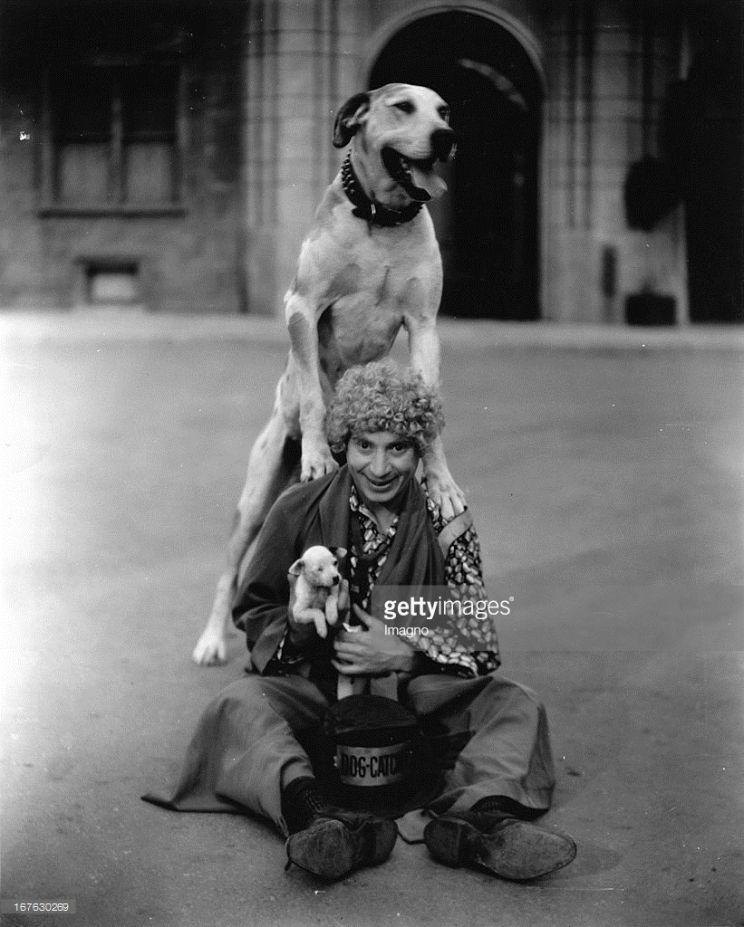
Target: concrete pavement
x: 604, y: 470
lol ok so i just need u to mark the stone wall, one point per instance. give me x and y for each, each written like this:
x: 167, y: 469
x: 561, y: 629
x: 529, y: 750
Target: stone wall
x: 606, y: 67
x: 610, y: 64
x: 262, y: 82
x: 301, y: 61
x: 189, y: 256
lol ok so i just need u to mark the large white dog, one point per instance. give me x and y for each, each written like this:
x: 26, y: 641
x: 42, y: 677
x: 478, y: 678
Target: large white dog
x: 369, y: 265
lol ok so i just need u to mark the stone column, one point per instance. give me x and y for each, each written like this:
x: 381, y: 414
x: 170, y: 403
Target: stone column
x: 612, y: 62
x: 297, y: 59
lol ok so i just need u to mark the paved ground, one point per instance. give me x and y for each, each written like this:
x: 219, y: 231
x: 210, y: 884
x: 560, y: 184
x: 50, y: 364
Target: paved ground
x: 604, y: 469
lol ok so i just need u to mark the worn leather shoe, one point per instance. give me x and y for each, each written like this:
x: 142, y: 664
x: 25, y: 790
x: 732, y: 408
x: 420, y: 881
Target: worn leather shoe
x: 338, y: 842
x: 504, y: 845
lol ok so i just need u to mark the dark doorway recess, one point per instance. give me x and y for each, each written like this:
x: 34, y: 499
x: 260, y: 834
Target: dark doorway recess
x: 707, y: 146
x: 487, y: 224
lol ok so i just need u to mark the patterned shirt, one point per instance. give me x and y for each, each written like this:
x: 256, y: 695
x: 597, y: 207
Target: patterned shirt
x: 468, y: 647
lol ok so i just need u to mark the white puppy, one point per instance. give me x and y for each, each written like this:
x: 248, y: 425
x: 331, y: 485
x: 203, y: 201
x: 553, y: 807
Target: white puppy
x: 314, y: 595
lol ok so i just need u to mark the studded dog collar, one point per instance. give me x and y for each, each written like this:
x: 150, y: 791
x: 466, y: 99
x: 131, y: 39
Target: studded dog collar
x: 367, y: 209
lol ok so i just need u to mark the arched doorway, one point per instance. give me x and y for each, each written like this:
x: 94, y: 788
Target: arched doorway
x: 488, y: 223
x: 706, y: 131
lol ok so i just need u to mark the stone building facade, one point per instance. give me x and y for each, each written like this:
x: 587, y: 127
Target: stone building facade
x: 170, y: 154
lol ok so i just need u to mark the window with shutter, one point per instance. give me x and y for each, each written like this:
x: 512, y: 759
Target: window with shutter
x: 114, y: 137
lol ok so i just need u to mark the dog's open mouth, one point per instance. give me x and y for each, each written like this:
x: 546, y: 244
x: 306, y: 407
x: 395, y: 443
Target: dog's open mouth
x: 418, y: 178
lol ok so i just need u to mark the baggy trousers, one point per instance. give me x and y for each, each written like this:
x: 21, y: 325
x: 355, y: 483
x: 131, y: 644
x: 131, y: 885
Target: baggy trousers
x: 245, y: 748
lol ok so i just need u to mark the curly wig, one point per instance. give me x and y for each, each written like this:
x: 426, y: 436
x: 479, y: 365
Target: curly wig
x: 383, y: 396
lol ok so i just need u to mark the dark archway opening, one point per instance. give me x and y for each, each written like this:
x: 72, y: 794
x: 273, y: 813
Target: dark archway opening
x: 488, y: 223
x: 710, y: 153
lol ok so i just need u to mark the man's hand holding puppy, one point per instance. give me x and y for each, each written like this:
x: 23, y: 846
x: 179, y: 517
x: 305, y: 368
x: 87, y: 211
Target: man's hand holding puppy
x: 369, y: 651
x: 365, y: 651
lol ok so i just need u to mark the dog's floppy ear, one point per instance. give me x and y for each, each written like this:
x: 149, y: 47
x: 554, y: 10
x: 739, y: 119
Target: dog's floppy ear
x: 338, y: 552
x: 349, y: 118
x: 297, y: 567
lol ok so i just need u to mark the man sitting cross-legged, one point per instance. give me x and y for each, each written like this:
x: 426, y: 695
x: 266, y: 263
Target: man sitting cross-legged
x: 246, y: 754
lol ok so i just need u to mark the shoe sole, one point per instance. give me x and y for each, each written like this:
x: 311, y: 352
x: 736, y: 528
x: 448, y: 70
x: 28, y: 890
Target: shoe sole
x: 330, y: 850
x: 517, y: 850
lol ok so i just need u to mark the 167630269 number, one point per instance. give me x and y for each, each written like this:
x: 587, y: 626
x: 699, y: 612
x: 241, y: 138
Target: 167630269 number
x: 37, y: 906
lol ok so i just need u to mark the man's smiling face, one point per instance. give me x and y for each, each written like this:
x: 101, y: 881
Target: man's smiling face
x: 380, y: 463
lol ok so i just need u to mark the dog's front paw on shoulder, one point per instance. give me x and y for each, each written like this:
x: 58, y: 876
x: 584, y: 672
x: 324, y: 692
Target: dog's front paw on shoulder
x: 447, y: 495
x: 317, y: 463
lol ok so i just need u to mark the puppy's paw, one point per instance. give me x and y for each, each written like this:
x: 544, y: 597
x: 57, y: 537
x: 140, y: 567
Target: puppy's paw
x: 331, y: 611
x: 320, y: 623
x: 312, y: 616
x: 344, y: 601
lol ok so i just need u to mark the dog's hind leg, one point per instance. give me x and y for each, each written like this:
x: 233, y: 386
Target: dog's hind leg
x: 273, y: 464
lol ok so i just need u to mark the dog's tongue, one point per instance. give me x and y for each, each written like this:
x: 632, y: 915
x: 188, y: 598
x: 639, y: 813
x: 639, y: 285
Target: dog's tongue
x: 426, y: 184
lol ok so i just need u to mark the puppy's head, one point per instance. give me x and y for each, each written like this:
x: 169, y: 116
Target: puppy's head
x: 319, y: 566
x: 399, y: 132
